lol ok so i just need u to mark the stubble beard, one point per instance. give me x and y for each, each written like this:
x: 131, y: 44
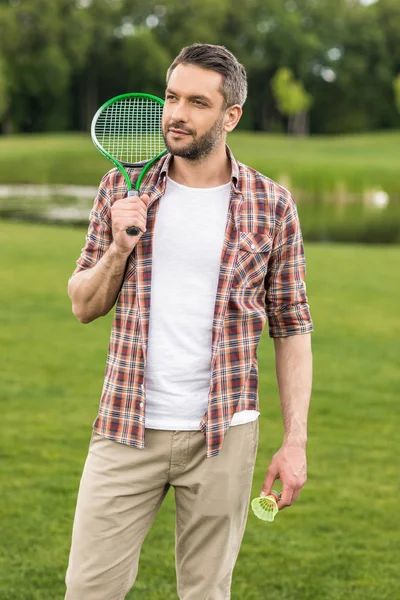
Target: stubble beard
x: 200, y: 147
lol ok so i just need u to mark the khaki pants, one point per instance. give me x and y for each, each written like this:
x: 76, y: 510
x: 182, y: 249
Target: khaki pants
x: 122, y: 489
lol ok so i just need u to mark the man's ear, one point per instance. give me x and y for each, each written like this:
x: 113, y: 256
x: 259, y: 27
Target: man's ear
x: 232, y: 117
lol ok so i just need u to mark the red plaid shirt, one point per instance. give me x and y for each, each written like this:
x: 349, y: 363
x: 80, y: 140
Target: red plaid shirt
x: 261, y: 276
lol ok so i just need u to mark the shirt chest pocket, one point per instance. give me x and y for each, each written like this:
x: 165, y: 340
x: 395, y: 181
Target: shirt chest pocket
x: 252, y: 261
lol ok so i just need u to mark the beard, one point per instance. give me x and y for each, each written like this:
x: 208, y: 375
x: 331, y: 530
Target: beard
x: 201, y: 146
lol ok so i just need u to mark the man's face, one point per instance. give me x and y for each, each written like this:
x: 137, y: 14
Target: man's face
x: 193, y: 116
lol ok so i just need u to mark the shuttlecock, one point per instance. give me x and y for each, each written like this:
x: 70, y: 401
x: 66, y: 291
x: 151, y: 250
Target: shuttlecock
x: 265, y: 507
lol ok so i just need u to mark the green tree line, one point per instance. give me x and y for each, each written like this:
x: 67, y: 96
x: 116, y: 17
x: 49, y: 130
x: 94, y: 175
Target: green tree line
x: 319, y: 66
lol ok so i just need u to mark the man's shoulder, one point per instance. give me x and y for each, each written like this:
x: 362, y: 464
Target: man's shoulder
x: 252, y: 182
x: 115, y: 182
x: 114, y: 177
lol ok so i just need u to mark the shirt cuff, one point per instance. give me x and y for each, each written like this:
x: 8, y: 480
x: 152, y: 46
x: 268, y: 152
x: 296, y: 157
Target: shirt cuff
x: 292, y: 319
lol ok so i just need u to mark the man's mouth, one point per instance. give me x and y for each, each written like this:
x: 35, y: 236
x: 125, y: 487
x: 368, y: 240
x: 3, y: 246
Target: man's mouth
x: 178, y: 131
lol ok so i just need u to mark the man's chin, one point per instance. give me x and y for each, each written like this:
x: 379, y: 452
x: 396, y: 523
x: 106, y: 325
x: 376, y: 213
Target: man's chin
x: 180, y: 149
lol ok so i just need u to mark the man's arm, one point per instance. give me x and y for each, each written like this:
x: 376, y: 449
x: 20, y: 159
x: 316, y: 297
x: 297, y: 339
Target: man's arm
x: 93, y: 292
x: 290, y: 326
x: 293, y: 359
x: 96, y: 282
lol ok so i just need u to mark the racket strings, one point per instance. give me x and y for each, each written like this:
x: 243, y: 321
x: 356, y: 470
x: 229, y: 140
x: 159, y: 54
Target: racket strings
x: 129, y: 129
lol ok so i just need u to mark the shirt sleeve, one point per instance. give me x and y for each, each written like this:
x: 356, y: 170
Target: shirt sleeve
x: 287, y: 306
x: 99, y: 234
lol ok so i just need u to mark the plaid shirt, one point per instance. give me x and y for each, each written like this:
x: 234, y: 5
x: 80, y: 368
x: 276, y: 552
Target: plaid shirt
x: 261, y: 276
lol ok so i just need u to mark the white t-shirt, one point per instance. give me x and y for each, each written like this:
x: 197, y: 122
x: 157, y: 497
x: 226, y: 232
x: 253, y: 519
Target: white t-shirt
x: 187, y: 247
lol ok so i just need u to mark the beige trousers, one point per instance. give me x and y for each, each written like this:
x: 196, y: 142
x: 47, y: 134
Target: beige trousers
x: 122, y: 489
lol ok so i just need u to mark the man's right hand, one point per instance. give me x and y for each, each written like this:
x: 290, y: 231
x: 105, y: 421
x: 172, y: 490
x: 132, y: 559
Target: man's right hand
x: 128, y: 212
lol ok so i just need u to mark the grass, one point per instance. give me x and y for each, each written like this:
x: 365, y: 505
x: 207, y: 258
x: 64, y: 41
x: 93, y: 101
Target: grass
x: 340, y: 540
x: 314, y: 164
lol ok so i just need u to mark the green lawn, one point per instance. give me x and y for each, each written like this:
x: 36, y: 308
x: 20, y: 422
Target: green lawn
x: 341, y: 540
x: 313, y: 164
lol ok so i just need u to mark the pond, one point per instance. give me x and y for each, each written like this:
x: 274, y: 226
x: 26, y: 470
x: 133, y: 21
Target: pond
x: 47, y: 203
x: 371, y: 216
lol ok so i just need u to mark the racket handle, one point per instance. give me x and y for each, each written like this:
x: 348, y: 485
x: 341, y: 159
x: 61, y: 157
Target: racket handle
x: 133, y: 230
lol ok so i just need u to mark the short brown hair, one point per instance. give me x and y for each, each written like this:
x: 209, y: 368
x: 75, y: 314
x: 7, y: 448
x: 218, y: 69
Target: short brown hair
x: 219, y: 59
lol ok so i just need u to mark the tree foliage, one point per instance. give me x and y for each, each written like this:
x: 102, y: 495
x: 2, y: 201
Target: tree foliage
x: 60, y: 59
x: 396, y: 88
x: 291, y: 98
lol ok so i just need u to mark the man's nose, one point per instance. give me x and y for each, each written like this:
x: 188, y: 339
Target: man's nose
x: 180, y: 112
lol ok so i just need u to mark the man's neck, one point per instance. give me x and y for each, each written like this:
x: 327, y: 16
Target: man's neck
x: 212, y: 171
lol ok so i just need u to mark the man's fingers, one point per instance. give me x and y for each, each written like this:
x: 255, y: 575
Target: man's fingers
x: 127, y: 204
x: 272, y: 475
x: 122, y: 222
x: 286, y: 498
x: 134, y: 201
x: 130, y: 211
x: 144, y: 199
x: 296, y: 494
x: 124, y: 212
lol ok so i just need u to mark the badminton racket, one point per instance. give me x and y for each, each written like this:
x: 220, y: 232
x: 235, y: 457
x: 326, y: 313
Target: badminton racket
x: 127, y: 130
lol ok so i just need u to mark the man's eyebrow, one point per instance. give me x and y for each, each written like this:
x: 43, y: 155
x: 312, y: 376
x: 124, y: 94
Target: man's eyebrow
x: 192, y: 97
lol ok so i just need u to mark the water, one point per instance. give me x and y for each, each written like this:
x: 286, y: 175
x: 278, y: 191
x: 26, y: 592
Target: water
x: 371, y: 216
x: 72, y: 203
x: 52, y: 203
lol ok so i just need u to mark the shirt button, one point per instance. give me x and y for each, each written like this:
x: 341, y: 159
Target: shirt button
x: 142, y: 386
x: 253, y: 246
x: 141, y: 405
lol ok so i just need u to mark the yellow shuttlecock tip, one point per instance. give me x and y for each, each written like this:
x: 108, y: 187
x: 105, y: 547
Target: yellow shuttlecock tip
x: 265, y: 507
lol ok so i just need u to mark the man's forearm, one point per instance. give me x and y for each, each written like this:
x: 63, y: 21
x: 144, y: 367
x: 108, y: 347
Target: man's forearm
x: 293, y: 358
x: 93, y: 292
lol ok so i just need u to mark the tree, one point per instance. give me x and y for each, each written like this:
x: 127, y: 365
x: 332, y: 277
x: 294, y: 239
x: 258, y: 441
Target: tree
x: 61, y: 59
x: 4, y: 88
x: 42, y: 42
x: 352, y: 80
x: 292, y: 100
x: 396, y: 88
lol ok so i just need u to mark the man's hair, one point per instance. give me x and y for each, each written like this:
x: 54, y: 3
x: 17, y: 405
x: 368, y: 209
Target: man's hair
x: 219, y: 59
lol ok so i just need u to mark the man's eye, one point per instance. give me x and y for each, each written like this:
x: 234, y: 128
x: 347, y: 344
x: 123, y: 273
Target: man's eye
x: 199, y: 102
x: 170, y: 97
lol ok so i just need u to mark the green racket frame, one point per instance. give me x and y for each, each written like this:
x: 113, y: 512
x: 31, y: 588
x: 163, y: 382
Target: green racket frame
x: 119, y: 164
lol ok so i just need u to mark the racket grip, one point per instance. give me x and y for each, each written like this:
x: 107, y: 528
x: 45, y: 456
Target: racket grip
x: 133, y: 230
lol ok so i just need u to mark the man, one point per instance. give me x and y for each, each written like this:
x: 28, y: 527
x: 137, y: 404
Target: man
x: 220, y: 250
